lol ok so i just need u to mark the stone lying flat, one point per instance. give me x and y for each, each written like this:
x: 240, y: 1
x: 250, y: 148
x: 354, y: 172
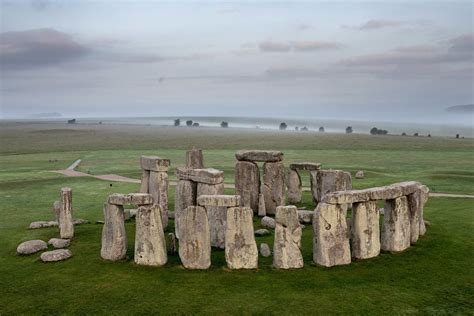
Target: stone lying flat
x: 265, y: 250
x: 259, y: 155
x: 268, y: 222
x: 208, y: 176
x: 31, y: 246
x: 132, y: 198
x: 59, y: 243
x: 56, y: 255
x: 262, y: 232
x: 80, y: 221
x: 309, y: 166
x: 154, y: 163
x: 305, y: 217
x: 43, y: 224
x: 219, y: 200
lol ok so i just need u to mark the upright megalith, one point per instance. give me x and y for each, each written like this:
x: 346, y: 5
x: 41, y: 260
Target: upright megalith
x: 330, y: 239
x: 66, y: 225
x: 195, y: 238
x: 185, y: 195
x: 294, y: 185
x: 396, y: 226
x: 294, y: 180
x: 194, y: 159
x: 216, y: 214
x: 114, y: 236
x: 262, y: 212
x: 150, y: 244
x: 330, y: 181
x: 365, y: 230
x: 287, y: 244
x: 247, y: 183
x: 274, y: 189
x: 241, y: 250
x: 424, y: 195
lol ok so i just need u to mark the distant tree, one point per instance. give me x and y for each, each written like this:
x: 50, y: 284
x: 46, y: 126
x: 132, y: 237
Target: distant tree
x: 73, y: 121
x: 297, y: 128
x: 283, y: 126
x: 304, y: 129
x: 374, y: 131
x: 224, y: 124
x: 429, y: 135
x: 457, y: 136
x: 416, y: 134
x: 189, y: 123
x: 404, y: 134
x: 321, y: 129
x: 195, y: 124
x: 349, y: 130
x: 177, y: 122
x: 382, y: 132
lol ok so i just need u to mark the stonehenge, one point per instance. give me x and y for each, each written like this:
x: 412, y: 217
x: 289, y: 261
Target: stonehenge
x: 240, y: 247
x: 150, y: 244
x: 66, y: 226
x: 286, y: 247
x: 294, y: 180
x: 194, y: 159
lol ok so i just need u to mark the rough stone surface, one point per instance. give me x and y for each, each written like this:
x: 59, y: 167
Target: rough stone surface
x: 273, y: 186
x: 424, y: 193
x: 80, y: 221
x: 365, y: 230
x: 150, y: 244
x: 330, y: 181
x: 240, y: 247
x: 43, y: 224
x: 119, y: 199
x: 219, y: 200
x: 313, y: 180
x: 140, y: 198
x: 208, y: 176
x: 261, y: 205
x: 247, y: 183
x: 295, y: 189
x: 286, y: 247
x: 309, y: 166
x: 56, y: 255
x: 185, y: 196
x: 195, y: 238
x: 414, y: 209
x: 158, y: 188
x: 31, y: 246
x: 268, y: 222
x: 330, y: 236
x: 114, y: 237
x: 265, y: 250
x: 154, y: 163
x: 217, y: 214
x: 396, y: 226
x: 66, y: 226
x: 171, y: 245
x: 305, y: 217
x: 59, y: 243
x: 262, y: 232
x: 360, y: 174
x: 56, y: 210
x: 194, y: 159
x: 259, y: 155
x: 144, y: 182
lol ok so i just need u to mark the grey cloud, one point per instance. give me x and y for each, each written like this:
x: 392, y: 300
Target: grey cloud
x: 274, y: 46
x: 375, y: 24
x: 299, y: 46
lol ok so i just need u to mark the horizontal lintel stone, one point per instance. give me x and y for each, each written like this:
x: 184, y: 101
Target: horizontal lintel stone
x: 132, y: 198
x: 208, y: 176
x: 219, y: 200
x: 309, y: 166
x: 154, y: 163
x: 259, y: 155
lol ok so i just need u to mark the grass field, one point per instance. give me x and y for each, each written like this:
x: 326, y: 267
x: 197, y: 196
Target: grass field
x: 434, y: 276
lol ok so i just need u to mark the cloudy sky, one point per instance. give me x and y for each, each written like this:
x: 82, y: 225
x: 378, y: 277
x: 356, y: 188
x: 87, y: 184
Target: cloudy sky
x: 349, y: 59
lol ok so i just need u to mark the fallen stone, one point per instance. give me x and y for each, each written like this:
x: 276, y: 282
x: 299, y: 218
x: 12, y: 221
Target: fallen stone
x: 240, y: 247
x: 56, y: 255
x: 31, y: 246
x: 219, y: 200
x: 360, y: 174
x: 144, y: 181
x: 208, y: 176
x: 247, y: 184
x: 309, y: 166
x: 273, y: 186
x: 171, y: 244
x: 59, y: 243
x: 154, y: 163
x: 365, y: 230
x: 262, y: 232
x: 185, y: 196
x: 305, y: 217
x: 261, y: 205
x: 396, y: 226
x: 265, y: 250
x: 158, y: 188
x: 194, y: 159
x: 66, y: 225
x: 268, y: 222
x: 80, y: 221
x: 217, y: 215
x: 114, y: 236
x: 259, y: 155
x: 286, y: 247
x: 43, y: 224
x: 150, y: 244
x: 294, y: 185
x: 100, y: 222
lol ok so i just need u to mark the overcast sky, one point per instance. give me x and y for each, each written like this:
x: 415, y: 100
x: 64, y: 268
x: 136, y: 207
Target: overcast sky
x: 349, y: 59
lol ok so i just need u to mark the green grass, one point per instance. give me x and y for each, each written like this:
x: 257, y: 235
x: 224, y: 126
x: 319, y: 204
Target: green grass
x: 436, y: 276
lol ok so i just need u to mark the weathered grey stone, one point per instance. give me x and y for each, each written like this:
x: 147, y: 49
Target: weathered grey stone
x: 208, y: 176
x: 414, y: 209
x: 286, y: 247
x: 158, y: 188
x: 313, y: 178
x: 273, y: 186
x: 262, y: 232
x: 348, y: 180
x: 80, y: 221
x: 309, y: 166
x: 194, y: 159
x: 424, y: 193
x: 43, y: 224
x: 330, y: 181
x: 56, y: 210
x: 59, y: 243
x: 219, y: 200
x: 56, y: 255
x: 217, y: 214
x: 294, y: 186
x: 119, y: 199
x: 261, y: 205
x: 365, y: 230
x: 66, y: 226
x: 100, y: 222
x: 240, y: 247
x: 382, y: 211
x: 114, y: 237
x: 330, y: 239
x: 140, y: 199
x: 195, y: 238
x: 31, y: 246
x: 185, y: 195
x: 171, y: 244
x: 305, y: 217
x: 247, y: 183
x: 396, y: 226
x: 268, y: 222
x: 360, y: 174
x: 259, y: 155
x: 154, y: 163
x: 150, y: 244
x: 144, y: 182
x: 265, y: 250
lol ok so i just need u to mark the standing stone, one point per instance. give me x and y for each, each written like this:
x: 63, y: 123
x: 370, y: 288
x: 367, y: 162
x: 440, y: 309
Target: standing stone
x: 171, y: 244
x: 194, y: 159
x: 150, y: 244
x: 265, y: 250
x: 396, y: 226
x: 286, y: 248
x: 273, y: 186
x: 330, y: 241
x: 158, y: 188
x: 185, y: 195
x: 114, y: 237
x: 294, y: 187
x: 195, y: 238
x: 313, y: 178
x: 247, y: 183
x: 240, y: 247
x: 261, y: 205
x: 57, y: 210
x: 414, y: 208
x: 365, y: 230
x: 424, y: 194
x: 145, y: 181
x: 331, y: 181
x: 217, y: 214
x: 66, y: 226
